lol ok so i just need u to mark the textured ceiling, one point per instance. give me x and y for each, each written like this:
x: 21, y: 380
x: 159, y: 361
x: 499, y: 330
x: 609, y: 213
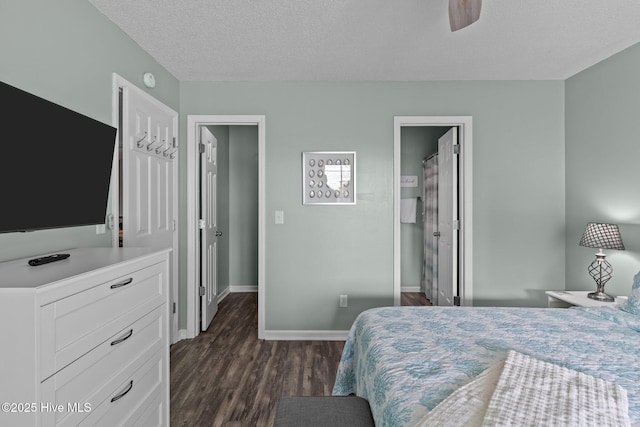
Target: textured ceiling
x: 374, y: 40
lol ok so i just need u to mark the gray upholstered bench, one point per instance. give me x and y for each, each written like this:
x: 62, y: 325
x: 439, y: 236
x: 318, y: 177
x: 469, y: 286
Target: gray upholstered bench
x: 323, y: 411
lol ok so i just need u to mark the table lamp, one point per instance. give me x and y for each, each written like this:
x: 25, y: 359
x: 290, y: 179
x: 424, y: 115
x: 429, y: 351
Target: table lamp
x: 601, y: 236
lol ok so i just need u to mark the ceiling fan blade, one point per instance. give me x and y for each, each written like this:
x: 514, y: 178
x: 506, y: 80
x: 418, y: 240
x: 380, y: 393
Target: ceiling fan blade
x: 463, y: 13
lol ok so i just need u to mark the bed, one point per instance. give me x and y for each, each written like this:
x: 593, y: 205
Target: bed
x: 407, y: 360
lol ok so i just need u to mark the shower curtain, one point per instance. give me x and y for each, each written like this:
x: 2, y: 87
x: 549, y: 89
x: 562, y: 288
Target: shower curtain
x: 430, y: 217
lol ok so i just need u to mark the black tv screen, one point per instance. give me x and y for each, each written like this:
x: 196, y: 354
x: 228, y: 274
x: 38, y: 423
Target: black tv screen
x: 56, y: 164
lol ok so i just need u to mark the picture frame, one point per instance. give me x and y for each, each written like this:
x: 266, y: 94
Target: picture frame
x: 329, y: 178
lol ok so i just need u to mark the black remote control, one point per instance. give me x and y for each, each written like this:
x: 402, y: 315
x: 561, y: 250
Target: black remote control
x: 48, y: 259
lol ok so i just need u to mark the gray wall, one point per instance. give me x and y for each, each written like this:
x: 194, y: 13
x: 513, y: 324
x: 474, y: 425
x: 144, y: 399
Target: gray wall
x: 243, y: 206
x: 323, y: 251
x: 602, y: 152
x: 66, y: 52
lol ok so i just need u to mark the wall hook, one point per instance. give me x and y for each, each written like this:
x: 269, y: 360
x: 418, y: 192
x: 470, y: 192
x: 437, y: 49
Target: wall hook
x: 140, y: 140
x: 150, y: 146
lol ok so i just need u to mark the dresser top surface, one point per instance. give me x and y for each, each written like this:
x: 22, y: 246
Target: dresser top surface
x: 19, y: 274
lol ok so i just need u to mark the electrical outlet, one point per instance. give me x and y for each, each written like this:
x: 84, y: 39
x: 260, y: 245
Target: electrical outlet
x: 101, y: 229
x: 343, y: 301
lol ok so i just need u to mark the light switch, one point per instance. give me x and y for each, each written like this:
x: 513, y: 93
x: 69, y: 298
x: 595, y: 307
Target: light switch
x: 279, y: 217
x: 344, y: 301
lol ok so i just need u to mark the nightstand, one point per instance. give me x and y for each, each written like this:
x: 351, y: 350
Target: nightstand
x: 565, y: 299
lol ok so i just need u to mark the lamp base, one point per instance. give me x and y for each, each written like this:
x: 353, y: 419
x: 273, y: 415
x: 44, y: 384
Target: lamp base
x: 600, y: 296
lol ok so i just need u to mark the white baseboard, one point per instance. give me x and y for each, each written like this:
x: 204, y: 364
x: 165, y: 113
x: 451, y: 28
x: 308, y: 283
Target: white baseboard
x: 223, y: 294
x: 290, y: 335
x: 306, y: 335
x: 183, y: 335
x: 410, y: 289
x: 244, y: 288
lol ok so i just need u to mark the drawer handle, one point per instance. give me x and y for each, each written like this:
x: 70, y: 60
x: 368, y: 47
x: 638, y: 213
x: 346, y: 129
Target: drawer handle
x: 124, y: 338
x: 129, y: 387
x: 123, y: 283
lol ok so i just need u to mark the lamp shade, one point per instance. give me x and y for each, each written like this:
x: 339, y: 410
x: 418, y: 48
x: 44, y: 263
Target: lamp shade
x: 602, y: 236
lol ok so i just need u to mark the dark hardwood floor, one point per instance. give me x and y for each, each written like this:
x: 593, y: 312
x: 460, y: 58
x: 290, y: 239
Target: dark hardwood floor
x: 227, y: 377
x: 413, y: 298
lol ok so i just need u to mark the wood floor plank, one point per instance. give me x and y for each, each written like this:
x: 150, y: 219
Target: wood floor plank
x: 413, y: 299
x: 227, y: 377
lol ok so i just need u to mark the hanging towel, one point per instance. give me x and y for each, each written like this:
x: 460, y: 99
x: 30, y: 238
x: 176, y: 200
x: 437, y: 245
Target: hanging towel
x: 408, y: 210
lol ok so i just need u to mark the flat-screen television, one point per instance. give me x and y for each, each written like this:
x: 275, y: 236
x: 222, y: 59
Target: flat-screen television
x: 55, y: 165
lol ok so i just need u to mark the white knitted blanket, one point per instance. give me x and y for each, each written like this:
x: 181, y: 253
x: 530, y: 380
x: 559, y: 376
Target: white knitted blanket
x: 524, y: 391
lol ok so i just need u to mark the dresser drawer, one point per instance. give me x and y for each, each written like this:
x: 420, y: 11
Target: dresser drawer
x: 96, y: 377
x: 72, y: 326
x: 140, y: 396
x: 151, y: 412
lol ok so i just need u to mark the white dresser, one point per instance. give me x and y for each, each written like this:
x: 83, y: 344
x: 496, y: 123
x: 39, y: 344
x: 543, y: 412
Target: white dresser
x: 84, y: 341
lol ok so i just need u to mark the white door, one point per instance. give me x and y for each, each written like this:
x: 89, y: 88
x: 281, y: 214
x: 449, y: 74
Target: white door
x: 209, y: 227
x: 148, y: 211
x: 149, y: 162
x: 448, y: 217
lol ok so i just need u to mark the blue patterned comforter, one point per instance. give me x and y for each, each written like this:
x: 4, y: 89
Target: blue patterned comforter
x: 406, y: 360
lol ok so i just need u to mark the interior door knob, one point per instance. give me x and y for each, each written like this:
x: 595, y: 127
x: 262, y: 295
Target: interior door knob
x: 436, y: 234
x: 218, y: 233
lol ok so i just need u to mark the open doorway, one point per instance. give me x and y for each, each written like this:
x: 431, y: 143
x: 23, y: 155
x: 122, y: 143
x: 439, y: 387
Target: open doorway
x: 228, y: 214
x: 418, y: 208
x: 228, y: 131
x: 461, y: 250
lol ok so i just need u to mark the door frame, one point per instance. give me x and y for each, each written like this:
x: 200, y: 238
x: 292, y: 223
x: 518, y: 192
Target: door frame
x: 119, y: 83
x: 465, y: 207
x: 193, y: 209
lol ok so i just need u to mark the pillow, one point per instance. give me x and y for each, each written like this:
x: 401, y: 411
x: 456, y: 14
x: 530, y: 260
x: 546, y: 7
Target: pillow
x: 632, y: 305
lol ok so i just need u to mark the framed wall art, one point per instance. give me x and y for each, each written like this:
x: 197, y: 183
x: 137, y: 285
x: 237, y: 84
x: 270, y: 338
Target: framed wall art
x: 329, y: 178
